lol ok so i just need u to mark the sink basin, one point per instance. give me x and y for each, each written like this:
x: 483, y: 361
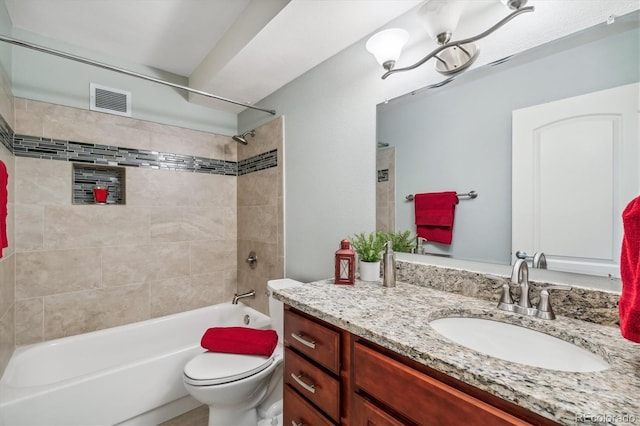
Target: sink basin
x: 518, y: 344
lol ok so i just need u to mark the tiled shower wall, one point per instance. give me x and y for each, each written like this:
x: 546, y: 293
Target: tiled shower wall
x: 171, y: 248
x: 260, y: 215
x: 385, y: 189
x: 7, y: 262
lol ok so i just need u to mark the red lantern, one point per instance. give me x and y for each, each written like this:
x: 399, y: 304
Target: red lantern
x: 345, y: 264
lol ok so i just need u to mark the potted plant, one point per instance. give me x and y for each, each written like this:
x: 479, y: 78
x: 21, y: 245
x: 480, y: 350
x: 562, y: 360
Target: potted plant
x: 401, y: 241
x: 368, y: 247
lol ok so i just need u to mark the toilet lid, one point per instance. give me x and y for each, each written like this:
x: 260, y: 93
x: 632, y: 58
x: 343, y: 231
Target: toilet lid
x: 215, y: 368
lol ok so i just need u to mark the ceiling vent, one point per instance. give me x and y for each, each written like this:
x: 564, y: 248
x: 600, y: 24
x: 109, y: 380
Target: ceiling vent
x: 112, y: 101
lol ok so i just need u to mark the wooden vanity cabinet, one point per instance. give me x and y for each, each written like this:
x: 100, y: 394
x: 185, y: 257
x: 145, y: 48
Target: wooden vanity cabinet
x: 332, y: 377
x: 315, y: 371
x: 389, y: 389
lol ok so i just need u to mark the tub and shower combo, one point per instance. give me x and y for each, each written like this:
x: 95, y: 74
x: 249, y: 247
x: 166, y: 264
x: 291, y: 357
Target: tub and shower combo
x: 131, y: 374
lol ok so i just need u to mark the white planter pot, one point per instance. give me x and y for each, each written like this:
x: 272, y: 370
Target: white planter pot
x: 369, y: 271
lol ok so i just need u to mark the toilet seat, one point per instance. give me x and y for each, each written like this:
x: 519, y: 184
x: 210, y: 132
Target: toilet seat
x: 215, y: 368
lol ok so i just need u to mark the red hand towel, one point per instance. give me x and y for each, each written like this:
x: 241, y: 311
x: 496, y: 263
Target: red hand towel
x: 629, y: 305
x: 434, y: 213
x: 240, y: 340
x: 4, y: 179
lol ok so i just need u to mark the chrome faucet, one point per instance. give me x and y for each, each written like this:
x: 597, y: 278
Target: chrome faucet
x: 520, y: 276
x: 236, y: 297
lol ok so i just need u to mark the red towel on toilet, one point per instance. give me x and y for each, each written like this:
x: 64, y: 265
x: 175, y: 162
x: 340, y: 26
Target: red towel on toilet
x: 4, y: 195
x: 240, y: 340
x: 435, y: 212
x: 629, y: 305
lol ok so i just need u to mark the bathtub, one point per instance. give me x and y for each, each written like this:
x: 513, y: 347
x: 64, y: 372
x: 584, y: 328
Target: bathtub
x: 130, y: 374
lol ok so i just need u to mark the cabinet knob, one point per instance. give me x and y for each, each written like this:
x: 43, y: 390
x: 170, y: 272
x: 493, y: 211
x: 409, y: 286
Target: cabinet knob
x: 308, y: 387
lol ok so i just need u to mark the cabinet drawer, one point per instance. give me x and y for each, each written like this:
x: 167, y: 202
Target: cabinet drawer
x: 368, y: 414
x: 319, y: 387
x: 312, y: 339
x: 420, y: 397
x: 299, y: 412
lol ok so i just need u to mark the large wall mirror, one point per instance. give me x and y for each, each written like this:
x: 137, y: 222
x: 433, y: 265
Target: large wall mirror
x: 457, y: 136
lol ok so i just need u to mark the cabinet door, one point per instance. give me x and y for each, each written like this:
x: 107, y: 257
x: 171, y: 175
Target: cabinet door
x: 312, y: 339
x: 320, y: 388
x: 297, y: 411
x: 367, y: 414
x: 419, y: 397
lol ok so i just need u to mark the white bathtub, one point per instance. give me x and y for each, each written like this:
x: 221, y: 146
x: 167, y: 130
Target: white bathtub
x: 130, y: 374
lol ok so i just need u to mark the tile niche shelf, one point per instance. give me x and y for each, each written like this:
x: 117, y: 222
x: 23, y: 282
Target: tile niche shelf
x: 87, y: 176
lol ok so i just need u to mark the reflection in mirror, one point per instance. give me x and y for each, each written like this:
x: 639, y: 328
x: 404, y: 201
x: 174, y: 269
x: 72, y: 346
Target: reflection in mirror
x: 458, y: 136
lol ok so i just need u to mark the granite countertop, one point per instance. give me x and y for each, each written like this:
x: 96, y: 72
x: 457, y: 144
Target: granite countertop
x: 398, y: 319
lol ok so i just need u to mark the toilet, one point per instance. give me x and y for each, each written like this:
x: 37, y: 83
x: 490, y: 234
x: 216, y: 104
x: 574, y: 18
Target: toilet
x: 242, y: 389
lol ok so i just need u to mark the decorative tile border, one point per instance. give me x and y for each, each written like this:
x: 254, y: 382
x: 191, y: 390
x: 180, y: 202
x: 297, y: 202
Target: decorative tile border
x: 56, y: 149
x: 259, y: 162
x: 6, y: 134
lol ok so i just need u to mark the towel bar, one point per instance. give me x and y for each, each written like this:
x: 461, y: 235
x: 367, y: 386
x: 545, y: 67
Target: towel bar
x: 470, y: 194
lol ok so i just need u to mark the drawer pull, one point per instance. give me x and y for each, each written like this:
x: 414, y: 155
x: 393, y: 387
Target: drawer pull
x: 294, y: 423
x: 309, y: 343
x: 298, y: 379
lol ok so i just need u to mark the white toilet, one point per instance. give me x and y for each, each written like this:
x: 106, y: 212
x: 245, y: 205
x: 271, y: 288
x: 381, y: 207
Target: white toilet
x: 237, y: 388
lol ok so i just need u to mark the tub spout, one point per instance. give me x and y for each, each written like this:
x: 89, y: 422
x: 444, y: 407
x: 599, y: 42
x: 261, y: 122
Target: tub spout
x: 236, y: 297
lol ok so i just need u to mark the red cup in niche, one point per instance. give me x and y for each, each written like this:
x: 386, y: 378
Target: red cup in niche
x: 100, y: 194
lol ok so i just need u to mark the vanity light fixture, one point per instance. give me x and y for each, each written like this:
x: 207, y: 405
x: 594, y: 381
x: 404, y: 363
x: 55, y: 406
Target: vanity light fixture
x: 440, y: 18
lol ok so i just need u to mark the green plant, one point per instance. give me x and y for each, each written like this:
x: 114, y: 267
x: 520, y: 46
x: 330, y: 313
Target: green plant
x: 401, y: 241
x: 368, y: 246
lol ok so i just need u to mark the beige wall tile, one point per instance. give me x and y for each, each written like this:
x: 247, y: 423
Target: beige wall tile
x: 29, y: 227
x: 81, y: 312
x: 43, y: 182
x: 267, y: 268
x: 43, y: 273
x: 123, y: 265
x: 7, y: 281
x: 95, y: 226
x: 29, y: 321
x: 258, y: 223
x: 268, y: 137
x: 212, y: 256
x: 187, y: 224
x: 185, y: 293
x: 7, y: 339
x: 28, y: 117
x: 258, y: 188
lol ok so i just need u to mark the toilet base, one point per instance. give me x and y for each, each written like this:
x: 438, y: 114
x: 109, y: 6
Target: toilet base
x: 219, y: 417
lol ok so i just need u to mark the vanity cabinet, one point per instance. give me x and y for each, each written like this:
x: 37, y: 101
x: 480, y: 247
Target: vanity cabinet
x: 332, y: 377
x: 315, y: 371
x: 389, y: 389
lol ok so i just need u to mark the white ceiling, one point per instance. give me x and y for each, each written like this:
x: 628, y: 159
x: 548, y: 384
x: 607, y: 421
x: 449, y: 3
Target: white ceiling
x: 239, y: 49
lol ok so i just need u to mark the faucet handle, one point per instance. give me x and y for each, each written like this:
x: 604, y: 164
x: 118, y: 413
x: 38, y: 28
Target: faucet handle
x: 545, y: 311
x: 506, y: 301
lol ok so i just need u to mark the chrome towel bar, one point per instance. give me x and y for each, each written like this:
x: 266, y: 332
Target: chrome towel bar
x: 470, y: 195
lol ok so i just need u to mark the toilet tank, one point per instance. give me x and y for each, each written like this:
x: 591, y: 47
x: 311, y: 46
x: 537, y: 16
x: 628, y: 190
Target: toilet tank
x: 276, y: 307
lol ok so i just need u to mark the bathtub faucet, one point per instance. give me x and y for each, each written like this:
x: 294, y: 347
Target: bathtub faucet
x: 236, y: 297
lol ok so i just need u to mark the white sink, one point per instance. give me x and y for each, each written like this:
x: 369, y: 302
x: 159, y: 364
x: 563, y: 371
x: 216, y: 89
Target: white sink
x: 518, y: 344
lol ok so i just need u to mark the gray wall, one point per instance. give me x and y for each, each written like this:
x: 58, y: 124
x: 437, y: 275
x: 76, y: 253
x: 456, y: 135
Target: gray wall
x: 330, y: 128
x: 459, y: 137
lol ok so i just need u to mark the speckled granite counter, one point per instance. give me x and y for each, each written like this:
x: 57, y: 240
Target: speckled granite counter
x: 398, y: 319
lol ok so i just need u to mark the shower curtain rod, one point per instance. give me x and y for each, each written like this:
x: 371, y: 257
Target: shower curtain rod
x: 124, y: 71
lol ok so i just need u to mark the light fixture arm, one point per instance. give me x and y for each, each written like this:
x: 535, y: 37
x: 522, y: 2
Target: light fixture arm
x: 461, y: 42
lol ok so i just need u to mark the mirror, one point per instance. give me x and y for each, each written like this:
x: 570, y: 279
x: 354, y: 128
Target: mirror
x: 456, y: 135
